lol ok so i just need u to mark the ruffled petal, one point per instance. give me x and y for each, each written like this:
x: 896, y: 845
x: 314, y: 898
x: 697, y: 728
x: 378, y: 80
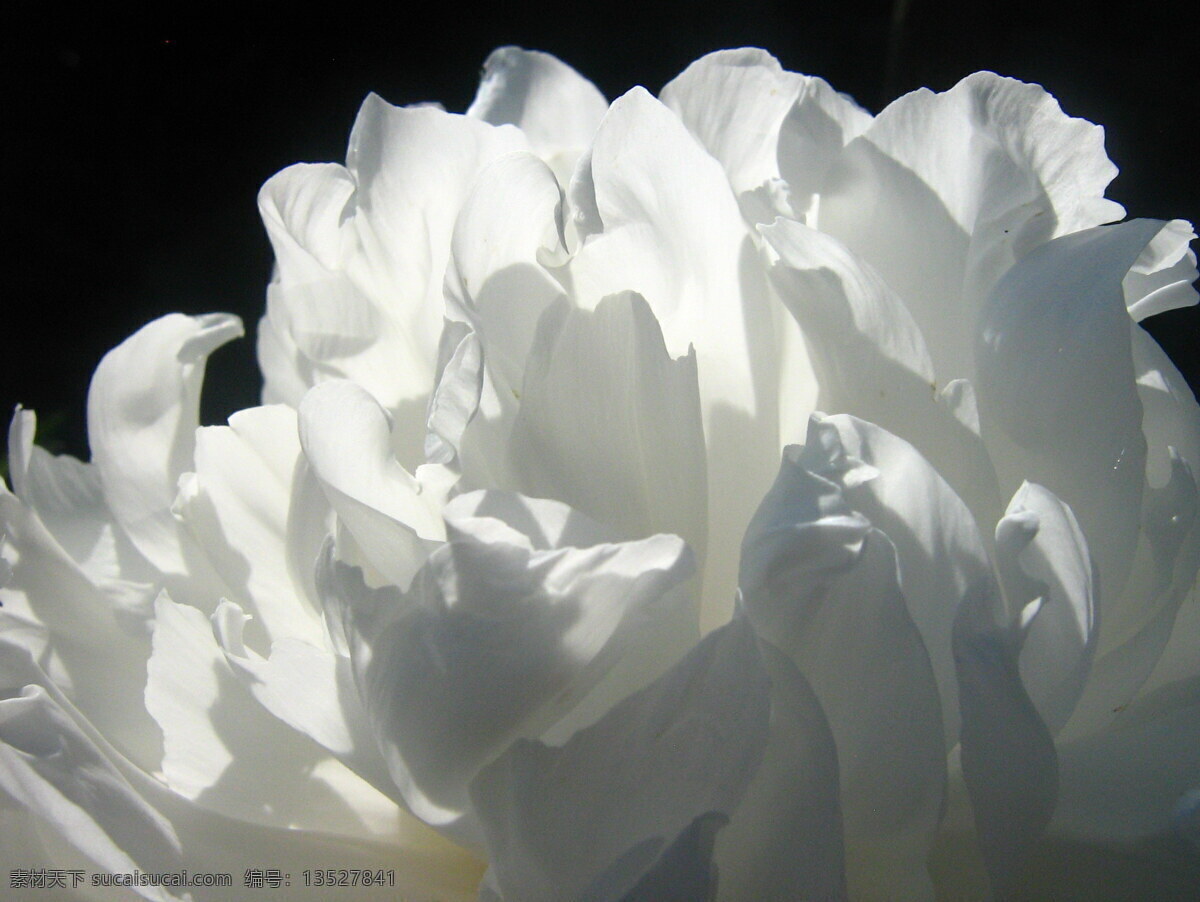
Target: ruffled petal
x: 92, y: 648
x: 871, y: 359
x: 610, y: 424
x: 496, y: 283
x: 311, y: 689
x: 942, y: 557
x: 362, y: 252
x: 48, y: 766
x: 756, y: 119
x: 347, y: 440
x: 143, y: 409
x: 822, y: 583
x: 426, y: 866
x: 1055, y: 569
x: 458, y: 391
x: 1171, y: 528
x: 237, y: 505
x: 504, y: 630
x: 683, y: 871
x: 305, y: 210
x: 785, y: 839
x: 67, y: 497
x: 683, y: 747
x: 414, y: 167
x: 1139, y: 626
x: 672, y: 232
x: 325, y: 319
x: 1161, y: 278
x: 1050, y: 413
x: 556, y: 107
x: 943, y: 192
x: 224, y: 751
x: 1008, y: 758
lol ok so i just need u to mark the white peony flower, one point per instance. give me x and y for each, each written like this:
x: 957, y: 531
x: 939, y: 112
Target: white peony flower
x: 505, y: 592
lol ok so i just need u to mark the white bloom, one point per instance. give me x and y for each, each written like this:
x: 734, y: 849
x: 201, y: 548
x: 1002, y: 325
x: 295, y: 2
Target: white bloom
x: 505, y: 588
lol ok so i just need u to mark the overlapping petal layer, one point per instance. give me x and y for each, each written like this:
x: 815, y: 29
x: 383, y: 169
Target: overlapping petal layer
x: 496, y: 589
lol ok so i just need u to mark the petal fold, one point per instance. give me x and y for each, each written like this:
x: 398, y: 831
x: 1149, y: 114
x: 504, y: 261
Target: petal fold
x: 822, y: 583
x: 682, y: 747
x: 237, y: 505
x: 756, y: 118
x: 1050, y: 413
x: 347, y: 439
x: 556, y: 107
x: 672, y: 232
x: 785, y: 839
x: 143, y: 409
x: 222, y: 750
x: 504, y: 630
x: 871, y: 359
x: 50, y: 766
x: 610, y: 424
x: 942, y: 559
x: 1009, y: 763
x: 943, y: 192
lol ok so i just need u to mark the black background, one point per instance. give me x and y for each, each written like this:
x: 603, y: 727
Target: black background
x: 135, y: 142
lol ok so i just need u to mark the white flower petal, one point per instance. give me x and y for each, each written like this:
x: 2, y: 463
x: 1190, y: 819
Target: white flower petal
x: 326, y: 316
x: 94, y: 652
x: 52, y: 768
x: 1059, y: 643
x: 1133, y: 781
x: 944, y: 191
x: 414, y: 167
x: 785, y: 839
x: 556, y: 107
x: 510, y: 224
x: 1162, y: 277
x: 1136, y: 634
x: 811, y: 140
x: 685, y: 746
x: 1171, y: 420
x: 500, y: 634
x: 457, y: 393
x: 362, y: 252
x: 143, y: 408
x: 347, y: 439
x: 835, y: 291
x: 670, y: 219
x: 223, y: 752
x: 312, y: 690
x: 285, y: 371
x: 672, y: 233
x: 304, y: 208
x: 941, y: 555
x: 67, y: 497
x: 734, y: 102
x: 757, y: 118
x: 237, y: 506
x: 655, y: 871
x: 821, y: 583
x: 610, y: 424
x: 299, y: 683
x: 1049, y: 413
x: 427, y: 866
x: 1008, y: 756
x: 870, y: 358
